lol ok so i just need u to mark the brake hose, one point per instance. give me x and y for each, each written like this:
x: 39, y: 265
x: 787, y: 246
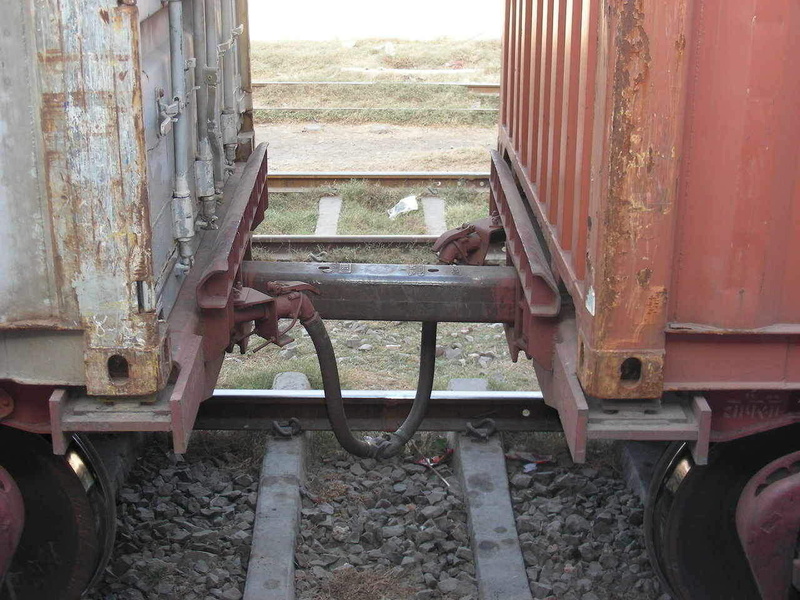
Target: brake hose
x: 335, y: 403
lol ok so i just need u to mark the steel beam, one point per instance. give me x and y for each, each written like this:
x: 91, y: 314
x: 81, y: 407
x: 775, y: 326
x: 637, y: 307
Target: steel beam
x: 369, y: 292
x: 375, y: 410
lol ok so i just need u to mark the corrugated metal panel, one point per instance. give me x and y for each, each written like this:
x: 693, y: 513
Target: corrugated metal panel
x: 739, y: 215
x: 28, y: 294
x: 662, y: 221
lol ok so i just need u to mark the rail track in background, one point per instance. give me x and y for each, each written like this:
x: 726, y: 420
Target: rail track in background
x: 305, y: 181
x: 488, y: 89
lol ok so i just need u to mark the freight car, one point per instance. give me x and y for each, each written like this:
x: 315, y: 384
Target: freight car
x: 645, y: 187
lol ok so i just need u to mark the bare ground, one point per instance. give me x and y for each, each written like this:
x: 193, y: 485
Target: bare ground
x: 335, y: 147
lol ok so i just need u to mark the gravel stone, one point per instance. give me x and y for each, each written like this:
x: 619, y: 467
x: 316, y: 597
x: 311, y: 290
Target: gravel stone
x: 389, y: 517
x: 184, y: 523
x: 579, y: 530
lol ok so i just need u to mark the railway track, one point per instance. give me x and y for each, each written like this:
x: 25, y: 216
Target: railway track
x: 303, y: 181
x: 489, y: 89
x: 492, y: 559
x: 496, y: 531
x: 315, y: 518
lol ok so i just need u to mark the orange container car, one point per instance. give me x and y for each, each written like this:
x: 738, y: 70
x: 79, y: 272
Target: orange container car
x: 655, y: 148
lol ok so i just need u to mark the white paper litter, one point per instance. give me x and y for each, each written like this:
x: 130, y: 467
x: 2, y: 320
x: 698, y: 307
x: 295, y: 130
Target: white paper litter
x: 406, y: 205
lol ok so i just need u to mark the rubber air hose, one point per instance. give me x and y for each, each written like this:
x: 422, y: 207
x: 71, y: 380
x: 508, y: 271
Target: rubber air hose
x: 335, y: 403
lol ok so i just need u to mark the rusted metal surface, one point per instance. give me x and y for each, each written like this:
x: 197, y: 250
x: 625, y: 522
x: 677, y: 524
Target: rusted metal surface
x: 93, y: 190
x: 583, y: 418
x: 469, y: 244
x: 768, y: 522
x: 739, y: 413
x: 662, y: 187
x: 375, y: 411
x: 215, y: 292
x: 398, y: 292
x: 195, y: 369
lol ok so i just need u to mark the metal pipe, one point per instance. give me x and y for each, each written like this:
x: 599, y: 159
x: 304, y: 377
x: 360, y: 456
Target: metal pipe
x: 201, y: 63
x: 182, y: 204
x: 212, y: 79
x: 422, y: 397
x: 204, y: 163
x: 229, y: 118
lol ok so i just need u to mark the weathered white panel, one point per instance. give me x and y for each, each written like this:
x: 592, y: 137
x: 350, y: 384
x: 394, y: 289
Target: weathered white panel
x: 27, y: 291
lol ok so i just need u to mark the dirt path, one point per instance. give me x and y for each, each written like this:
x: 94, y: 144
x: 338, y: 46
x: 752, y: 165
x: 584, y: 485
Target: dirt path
x: 335, y: 147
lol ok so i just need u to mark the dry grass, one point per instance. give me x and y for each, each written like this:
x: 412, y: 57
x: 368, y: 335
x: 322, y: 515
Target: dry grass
x: 292, y: 213
x: 458, y: 61
x: 354, y: 584
x: 326, y: 61
x: 392, y: 116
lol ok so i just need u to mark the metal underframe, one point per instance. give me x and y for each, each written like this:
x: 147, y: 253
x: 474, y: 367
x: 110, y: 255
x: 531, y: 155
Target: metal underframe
x: 375, y: 292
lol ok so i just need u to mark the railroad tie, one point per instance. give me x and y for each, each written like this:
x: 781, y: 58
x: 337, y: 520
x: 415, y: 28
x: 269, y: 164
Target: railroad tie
x: 433, y: 208
x: 330, y: 207
x: 270, y: 572
x: 499, y: 567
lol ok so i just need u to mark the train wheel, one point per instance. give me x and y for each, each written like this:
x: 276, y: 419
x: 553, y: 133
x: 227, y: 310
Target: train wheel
x: 690, y: 517
x: 70, y: 517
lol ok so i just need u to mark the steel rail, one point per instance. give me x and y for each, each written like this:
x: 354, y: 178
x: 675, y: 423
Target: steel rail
x: 298, y: 181
x: 414, y: 109
x: 472, y: 87
x: 343, y: 240
x: 377, y: 395
x: 375, y: 410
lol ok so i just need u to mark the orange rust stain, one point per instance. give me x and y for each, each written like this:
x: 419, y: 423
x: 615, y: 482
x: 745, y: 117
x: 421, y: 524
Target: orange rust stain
x: 643, y: 276
x: 631, y: 72
x: 680, y: 45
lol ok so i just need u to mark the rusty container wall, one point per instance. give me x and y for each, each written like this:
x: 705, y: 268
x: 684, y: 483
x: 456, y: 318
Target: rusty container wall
x: 88, y: 272
x: 77, y: 275
x: 656, y: 144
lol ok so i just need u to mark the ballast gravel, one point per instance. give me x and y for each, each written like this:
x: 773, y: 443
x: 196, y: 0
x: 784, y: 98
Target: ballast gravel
x: 184, y: 524
x: 580, y: 530
x: 383, y: 530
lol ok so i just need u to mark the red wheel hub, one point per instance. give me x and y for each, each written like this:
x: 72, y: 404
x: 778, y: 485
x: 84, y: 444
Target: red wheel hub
x: 768, y: 522
x: 12, y: 519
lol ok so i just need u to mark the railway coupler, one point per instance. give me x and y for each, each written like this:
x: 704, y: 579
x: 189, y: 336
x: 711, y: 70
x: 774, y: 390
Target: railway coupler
x: 469, y: 244
x: 259, y: 313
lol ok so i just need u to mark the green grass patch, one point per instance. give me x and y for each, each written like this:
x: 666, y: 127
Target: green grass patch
x: 365, y: 206
x: 291, y: 213
x: 463, y: 205
x: 367, y: 253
